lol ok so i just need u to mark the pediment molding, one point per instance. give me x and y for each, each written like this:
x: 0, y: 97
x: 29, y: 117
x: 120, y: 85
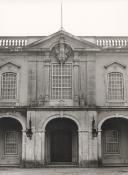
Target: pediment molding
x: 115, y: 64
x: 84, y: 44
x: 9, y: 63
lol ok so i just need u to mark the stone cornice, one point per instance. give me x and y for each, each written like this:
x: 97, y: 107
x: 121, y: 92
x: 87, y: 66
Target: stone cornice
x: 65, y: 108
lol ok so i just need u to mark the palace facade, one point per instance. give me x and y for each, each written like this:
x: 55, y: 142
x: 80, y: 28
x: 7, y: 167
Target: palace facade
x: 63, y: 101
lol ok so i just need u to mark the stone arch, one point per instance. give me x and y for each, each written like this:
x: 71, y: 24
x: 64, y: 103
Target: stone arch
x: 16, y: 117
x: 110, y: 117
x: 61, y: 139
x: 58, y: 116
x: 17, y: 125
x: 99, y: 139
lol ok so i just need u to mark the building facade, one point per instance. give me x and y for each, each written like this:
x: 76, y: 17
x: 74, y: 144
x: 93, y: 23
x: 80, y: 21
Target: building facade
x: 63, y: 101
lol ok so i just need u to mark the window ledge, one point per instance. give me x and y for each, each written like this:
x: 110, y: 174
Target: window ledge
x: 9, y: 102
x: 60, y: 102
x: 116, y: 103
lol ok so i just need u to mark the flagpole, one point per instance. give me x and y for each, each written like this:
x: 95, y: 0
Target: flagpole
x: 61, y: 16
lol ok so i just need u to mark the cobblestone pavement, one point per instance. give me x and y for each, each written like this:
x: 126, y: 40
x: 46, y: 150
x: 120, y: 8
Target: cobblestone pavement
x: 64, y: 171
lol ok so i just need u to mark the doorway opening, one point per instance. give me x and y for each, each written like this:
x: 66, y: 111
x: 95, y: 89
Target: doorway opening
x: 61, y: 141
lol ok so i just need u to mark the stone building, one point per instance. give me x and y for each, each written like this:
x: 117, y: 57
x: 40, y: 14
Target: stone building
x: 63, y: 101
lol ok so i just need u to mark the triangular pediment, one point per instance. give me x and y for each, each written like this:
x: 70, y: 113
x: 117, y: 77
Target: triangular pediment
x: 74, y: 41
x: 113, y: 64
x: 9, y: 64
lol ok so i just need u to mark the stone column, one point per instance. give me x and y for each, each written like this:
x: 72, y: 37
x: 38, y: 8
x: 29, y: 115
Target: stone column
x: 75, y: 79
x: 23, y: 146
x: 83, y: 148
x: 43, y: 147
x: 99, y: 147
x: 38, y: 148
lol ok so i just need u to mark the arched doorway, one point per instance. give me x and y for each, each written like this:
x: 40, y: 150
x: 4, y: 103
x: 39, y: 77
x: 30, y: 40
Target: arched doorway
x: 61, y: 141
x: 114, y: 141
x: 10, y: 141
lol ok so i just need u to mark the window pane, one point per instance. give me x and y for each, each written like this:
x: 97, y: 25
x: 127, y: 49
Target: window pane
x: 11, y: 142
x: 56, y: 93
x: 67, y: 93
x: 61, y: 81
x: 115, y: 86
x: 9, y: 85
x: 111, y: 144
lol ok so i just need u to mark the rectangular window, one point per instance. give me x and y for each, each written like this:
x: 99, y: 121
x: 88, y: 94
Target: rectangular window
x: 11, y: 143
x: 115, y: 86
x: 9, y: 85
x: 111, y: 144
x: 61, y: 81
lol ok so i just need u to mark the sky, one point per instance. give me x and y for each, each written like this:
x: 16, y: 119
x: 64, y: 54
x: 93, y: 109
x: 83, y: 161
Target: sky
x: 80, y: 17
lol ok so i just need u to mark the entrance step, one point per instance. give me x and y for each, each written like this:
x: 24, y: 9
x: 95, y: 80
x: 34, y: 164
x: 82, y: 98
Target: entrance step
x: 115, y: 165
x: 62, y: 165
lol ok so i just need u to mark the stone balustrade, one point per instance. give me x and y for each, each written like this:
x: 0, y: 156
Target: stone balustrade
x: 13, y: 42
x: 112, y: 42
x: 100, y: 41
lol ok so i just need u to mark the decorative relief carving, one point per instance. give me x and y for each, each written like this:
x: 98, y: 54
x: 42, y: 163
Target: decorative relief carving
x: 62, y: 51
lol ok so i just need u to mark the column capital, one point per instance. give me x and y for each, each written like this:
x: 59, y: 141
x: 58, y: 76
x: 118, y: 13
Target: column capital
x: 47, y: 57
x: 76, y: 55
x: 82, y: 130
x: 100, y: 130
x: 47, y: 63
x: 75, y: 64
x: 40, y: 131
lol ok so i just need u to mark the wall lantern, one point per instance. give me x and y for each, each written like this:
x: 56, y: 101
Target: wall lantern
x: 94, y: 130
x: 29, y: 132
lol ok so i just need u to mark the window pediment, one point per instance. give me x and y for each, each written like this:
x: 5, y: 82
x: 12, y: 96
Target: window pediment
x: 115, y: 65
x: 9, y: 65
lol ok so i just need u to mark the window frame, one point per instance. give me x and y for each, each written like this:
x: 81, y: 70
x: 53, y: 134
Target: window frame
x: 17, y: 144
x: 105, y: 143
x: 2, y: 84
x: 17, y: 91
x: 115, y: 67
x: 123, y: 84
x: 55, y: 99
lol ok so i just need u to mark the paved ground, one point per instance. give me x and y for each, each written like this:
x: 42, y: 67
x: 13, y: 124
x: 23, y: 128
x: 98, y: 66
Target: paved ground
x: 64, y: 171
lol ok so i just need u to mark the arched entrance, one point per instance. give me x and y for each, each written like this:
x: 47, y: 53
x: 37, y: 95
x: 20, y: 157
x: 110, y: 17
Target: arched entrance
x: 61, y: 141
x: 10, y: 141
x: 114, y: 141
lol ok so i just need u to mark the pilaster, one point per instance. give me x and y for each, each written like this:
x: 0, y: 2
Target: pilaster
x: 76, y: 83
x: 83, y: 148
x: 47, y: 77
